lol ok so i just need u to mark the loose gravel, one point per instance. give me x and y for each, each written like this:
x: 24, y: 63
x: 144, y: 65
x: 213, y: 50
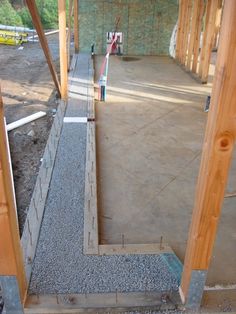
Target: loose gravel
x: 60, y: 265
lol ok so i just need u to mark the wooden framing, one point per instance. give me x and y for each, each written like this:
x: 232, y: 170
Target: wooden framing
x: 188, y: 42
x: 195, y: 31
x: 11, y: 259
x: 70, y: 12
x: 63, y: 48
x: 186, y: 26
x: 216, y: 158
x: 179, y: 32
x: 208, y: 39
x: 197, y: 34
x: 76, y: 25
x: 43, y: 41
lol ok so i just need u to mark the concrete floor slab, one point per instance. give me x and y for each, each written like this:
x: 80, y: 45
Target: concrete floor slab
x: 150, y: 134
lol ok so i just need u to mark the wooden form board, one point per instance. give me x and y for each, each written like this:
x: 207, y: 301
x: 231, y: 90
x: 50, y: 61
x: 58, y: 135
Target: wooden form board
x: 90, y: 204
x: 106, y: 302
x: 43, y: 41
x: 190, y: 24
x: 11, y: 258
x: 217, y: 153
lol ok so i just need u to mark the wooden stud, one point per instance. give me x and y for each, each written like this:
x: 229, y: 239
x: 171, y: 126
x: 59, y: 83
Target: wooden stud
x: 63, y: 48
x: 69, y: 31
x: 198, y: 4
x: 208, y: 39
x: 11, y: 259
x: 187, y: 20
x: 217, y: 24
x: 217, y: 154
x: 43, y: 41
x: 76, y: 25
x: 179, y: 32
x: 197, y: 36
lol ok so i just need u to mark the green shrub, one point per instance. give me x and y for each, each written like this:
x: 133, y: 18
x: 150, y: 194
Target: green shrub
x: 8, y: 15
x: 48, y: 11
x: 25, y: 17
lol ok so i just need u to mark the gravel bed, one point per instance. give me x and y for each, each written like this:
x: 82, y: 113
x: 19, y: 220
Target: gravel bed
x: 60, y: 265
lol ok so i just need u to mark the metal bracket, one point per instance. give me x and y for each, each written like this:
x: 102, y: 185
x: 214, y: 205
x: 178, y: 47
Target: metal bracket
x: 196, y: 288
x: 11, y: 296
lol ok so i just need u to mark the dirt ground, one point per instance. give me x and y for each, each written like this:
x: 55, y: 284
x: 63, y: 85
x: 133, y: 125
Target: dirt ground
x: 27, y: 88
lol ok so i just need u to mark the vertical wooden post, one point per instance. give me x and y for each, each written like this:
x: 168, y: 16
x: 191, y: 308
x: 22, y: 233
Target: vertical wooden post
x: 187, y: 20
x: 76, y: 25
x: 216, y: 158
x: 69, y: 31
x: 208, y: 39
x: 43, y: 41
x: 179, y: 32
x: 11, y: 259
x: 217, y: 23
x: 194, y: 31
x: 63, y: 48
x: 197, y: 36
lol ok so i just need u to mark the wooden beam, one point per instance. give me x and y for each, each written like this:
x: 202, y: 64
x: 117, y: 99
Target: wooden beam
x: 76, y: 25
x: 63, y: 48
x: 197, y: 36
x: 208, y: 39
x: 43, y: 41
x: 216, y: 158
x: 11, y: 259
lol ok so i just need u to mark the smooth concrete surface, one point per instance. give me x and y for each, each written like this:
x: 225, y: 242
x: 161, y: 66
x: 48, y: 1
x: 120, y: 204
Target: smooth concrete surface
x: 149, y: 137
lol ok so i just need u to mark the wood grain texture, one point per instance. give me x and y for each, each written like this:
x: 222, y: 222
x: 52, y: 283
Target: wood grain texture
x: 11, y: 259
x: 63, y: 48
x: 208, y: 39
x: 90, y: 204
x: 195, y: 31
x: 217, y: 153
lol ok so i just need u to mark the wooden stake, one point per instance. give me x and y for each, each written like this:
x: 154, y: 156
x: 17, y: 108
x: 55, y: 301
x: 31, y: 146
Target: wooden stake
x: 216, y: 157
x: 11, y: 259
x: 63, y: 50
x: 208, y: 39
x: 76, y: 25
x: 43, y: 41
